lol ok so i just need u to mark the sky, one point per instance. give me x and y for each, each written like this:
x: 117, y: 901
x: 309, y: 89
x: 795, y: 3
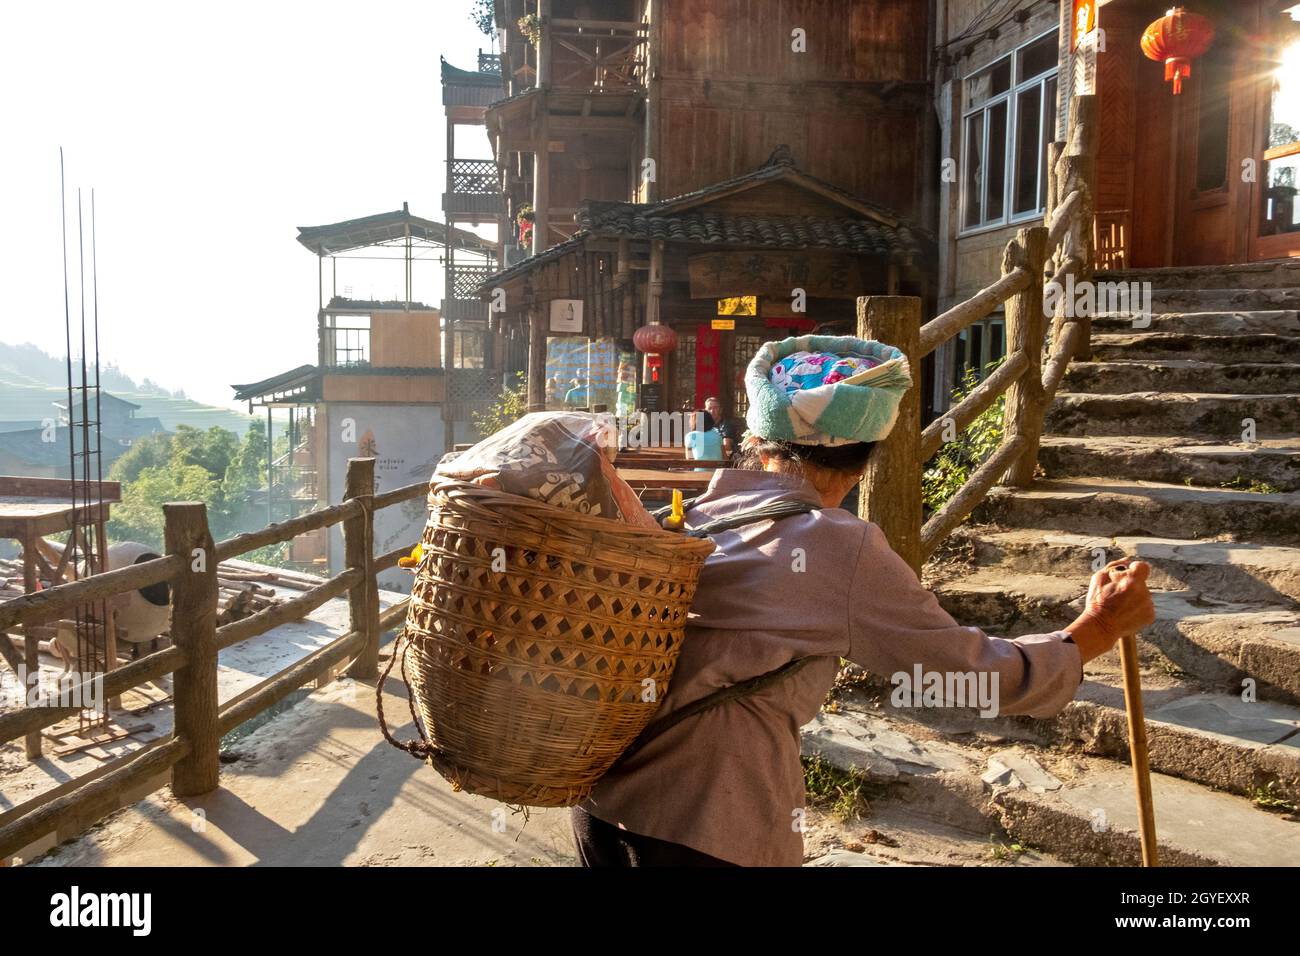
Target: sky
x: 209, y: 134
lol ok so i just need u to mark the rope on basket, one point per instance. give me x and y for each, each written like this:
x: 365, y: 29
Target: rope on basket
x: 424, y: 748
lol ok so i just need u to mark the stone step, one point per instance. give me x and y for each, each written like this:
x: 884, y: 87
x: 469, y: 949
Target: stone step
x: 1196, y: 414
x: 1265, y: 274
x: 1250, y: 748
x: 1112, y: 507
x: 1093, y: 820
x: 1183, y: 375
x: 1219, y: 643
x: 1273, y: 462
x: 1276, y: 321
x: 1170, y: 299
x: 1080, y: 808
x: 1111, y: 346
x: 1223, y: 570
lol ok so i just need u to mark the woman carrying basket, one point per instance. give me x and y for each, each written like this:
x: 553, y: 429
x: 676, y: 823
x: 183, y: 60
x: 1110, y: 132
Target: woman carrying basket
x: 786, y: 594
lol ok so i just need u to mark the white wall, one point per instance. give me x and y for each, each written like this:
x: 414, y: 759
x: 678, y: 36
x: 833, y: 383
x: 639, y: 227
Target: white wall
x: 406, y: 442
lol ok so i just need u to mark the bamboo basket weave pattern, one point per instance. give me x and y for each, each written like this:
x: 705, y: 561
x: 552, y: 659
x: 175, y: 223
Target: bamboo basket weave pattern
x: 529, y: 681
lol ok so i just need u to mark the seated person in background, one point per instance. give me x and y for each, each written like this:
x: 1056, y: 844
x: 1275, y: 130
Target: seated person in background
x: 705, y: 443
x: 731, y: 429
x: 576, y: 396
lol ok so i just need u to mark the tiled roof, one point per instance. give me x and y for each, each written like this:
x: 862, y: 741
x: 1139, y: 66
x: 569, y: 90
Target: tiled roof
x: 453, y: 74
x: 874, y: 230
x: 777, y: 232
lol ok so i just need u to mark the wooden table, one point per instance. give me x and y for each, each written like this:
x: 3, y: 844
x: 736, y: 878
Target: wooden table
x: 653, y: 480
x: 31, y: 508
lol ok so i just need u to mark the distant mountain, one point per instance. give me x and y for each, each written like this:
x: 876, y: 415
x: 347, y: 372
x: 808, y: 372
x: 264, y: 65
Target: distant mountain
x: 32, y: 380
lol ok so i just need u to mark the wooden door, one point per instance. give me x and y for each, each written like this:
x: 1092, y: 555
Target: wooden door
x: 1210, y: 119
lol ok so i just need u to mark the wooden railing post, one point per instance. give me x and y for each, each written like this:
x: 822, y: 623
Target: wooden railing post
x: 194, y: 632
x: 1078, y: 169
x: 359, y: 553
x: 890, y: 494
x: 1026, y: 328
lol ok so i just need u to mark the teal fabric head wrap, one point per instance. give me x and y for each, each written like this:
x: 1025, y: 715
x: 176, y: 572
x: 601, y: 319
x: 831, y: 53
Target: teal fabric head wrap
x: 825, y: 389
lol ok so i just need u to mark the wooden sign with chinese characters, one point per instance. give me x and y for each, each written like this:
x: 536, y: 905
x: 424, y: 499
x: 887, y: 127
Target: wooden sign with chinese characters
x: 1083, y: 46
x: 719, y: 275
x: 1084, y: 21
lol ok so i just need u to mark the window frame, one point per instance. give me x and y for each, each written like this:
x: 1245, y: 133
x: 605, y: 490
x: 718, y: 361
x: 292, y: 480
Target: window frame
x: 1008, y: 98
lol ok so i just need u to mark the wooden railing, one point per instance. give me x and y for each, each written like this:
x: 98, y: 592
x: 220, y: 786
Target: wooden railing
x: 1036, y: 361
x: 597, y: 54
x: 201, y: 719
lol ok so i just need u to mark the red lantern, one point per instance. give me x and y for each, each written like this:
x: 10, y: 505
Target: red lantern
x: 1178, y: 38
x: 655, y: 339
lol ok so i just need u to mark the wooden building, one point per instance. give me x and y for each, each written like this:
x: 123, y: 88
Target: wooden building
x: 1203, y: 178
x: 669, y: 157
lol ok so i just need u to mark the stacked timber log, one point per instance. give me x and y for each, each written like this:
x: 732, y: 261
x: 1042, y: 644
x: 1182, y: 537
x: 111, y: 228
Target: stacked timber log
x: 237, y: 599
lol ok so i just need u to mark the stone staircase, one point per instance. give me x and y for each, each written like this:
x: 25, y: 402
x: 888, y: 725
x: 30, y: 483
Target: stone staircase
x: 1143, y: 455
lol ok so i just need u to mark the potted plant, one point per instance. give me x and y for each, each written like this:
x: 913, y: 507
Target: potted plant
x: 530, y: 25
x: 525, y: 219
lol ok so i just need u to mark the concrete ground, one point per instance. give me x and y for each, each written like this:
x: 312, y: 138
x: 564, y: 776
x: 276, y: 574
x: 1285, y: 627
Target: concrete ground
x: 319, y: 786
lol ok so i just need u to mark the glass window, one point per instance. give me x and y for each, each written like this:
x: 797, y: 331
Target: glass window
x: 1212, y: 119
x: 347, y: 339
x: 979, y: 346
x: 1037, y: 58
x: 997, y: 162
x: 1282, y: 167
x: 1005, y: 134
x: 974, y: 168
x: 988, y: 83
x: 1029, y: 115
x: 581, y: 372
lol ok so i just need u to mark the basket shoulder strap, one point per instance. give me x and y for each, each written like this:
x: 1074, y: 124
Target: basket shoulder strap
x: 713, y: 700
x: 769, y: 512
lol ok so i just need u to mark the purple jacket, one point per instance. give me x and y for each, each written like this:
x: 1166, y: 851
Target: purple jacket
x: 826, y: 584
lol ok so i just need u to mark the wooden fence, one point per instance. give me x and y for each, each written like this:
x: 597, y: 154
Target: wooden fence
x: 189, y: 567
x: 1037, y: 357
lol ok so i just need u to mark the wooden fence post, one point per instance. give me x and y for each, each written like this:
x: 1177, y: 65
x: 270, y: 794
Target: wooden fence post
x: 890, y: 493
x: 31, y: 644
x: 1026, y: 327
x: 359, y: 553
x: 194, y: 631
x: 1080, y: 169
x: 536, y: 383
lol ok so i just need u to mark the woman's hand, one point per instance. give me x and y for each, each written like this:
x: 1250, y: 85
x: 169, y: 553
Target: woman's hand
x: 1118, y: 603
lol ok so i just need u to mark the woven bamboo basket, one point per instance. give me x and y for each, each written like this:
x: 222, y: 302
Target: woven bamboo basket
x: 539, y: 641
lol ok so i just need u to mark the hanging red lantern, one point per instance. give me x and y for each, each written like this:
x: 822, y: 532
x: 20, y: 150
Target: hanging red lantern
x: 655, y: 339
x: 1178, y: 38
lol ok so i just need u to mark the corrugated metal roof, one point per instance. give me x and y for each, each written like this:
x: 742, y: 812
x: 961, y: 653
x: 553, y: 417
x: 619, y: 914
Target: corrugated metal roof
x: 337, y: 237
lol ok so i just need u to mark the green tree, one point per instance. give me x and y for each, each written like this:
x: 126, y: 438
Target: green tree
x: 506, y: 410
x: 139, y: 516
x: 153, y: 451
x: 211, y: 450
x: 247, y: 468
x: 481, y: 14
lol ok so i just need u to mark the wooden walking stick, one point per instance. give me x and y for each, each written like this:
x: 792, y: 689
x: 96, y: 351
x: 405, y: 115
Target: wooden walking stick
x: 1137, y: 746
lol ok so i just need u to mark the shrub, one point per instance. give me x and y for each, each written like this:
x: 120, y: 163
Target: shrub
x: 949, y: 469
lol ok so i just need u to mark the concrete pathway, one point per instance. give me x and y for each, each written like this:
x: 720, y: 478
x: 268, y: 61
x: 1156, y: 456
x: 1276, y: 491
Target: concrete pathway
x: 319, y: 786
